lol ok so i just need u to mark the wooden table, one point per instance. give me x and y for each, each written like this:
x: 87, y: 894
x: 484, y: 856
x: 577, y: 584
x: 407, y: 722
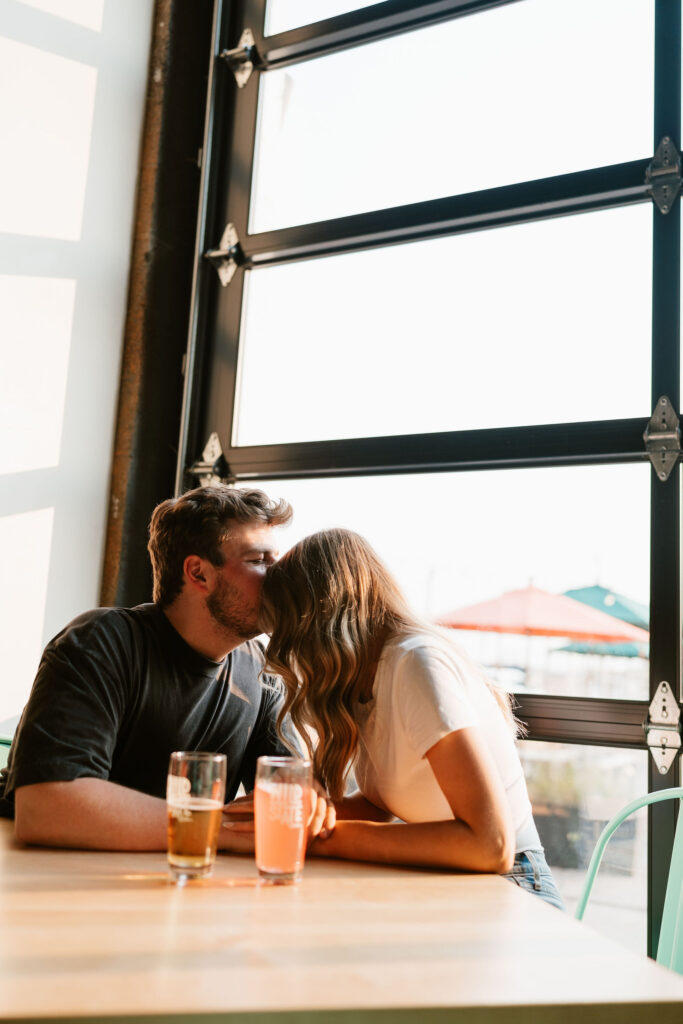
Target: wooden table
x: 105, y: 935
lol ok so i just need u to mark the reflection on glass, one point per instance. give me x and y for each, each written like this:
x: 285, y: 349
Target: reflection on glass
x: 25, y: 542
x: 521, y: 92
x: 540, y: 323
x: 36, y: 317
x: 455, y: 539
x: 83, y: 12
x: 46, y: 111
x: 282, y: 15
x: 575, y: 790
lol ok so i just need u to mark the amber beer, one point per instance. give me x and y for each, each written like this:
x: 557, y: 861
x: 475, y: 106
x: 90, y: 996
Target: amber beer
x: 193, y: 835
x: 195, y: 793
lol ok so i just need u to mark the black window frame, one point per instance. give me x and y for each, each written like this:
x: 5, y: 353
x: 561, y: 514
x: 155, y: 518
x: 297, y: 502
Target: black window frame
x: 213, y: 342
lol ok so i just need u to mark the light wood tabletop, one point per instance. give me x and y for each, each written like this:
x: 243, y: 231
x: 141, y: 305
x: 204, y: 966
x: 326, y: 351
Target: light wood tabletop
x: 95, y: 935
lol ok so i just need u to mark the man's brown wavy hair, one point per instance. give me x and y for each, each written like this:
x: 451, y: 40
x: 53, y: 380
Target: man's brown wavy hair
x: 197, y: 523
x: 330, y: 605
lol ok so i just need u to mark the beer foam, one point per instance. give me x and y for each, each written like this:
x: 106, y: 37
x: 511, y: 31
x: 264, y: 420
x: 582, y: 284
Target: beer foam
x: 196, y: 803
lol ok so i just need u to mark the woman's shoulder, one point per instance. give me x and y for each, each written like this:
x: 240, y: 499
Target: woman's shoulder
x: 423, y: 640
x: 424, y: 683
x: 423, y: 649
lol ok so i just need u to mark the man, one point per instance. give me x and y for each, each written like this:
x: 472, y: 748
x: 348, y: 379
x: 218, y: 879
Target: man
x: 120, y: 688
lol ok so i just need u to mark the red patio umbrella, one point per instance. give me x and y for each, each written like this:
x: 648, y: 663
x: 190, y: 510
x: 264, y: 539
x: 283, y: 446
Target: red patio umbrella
x: 535, y: 612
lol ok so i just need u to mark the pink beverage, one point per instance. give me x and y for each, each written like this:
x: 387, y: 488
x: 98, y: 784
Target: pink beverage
x: 281, y: 812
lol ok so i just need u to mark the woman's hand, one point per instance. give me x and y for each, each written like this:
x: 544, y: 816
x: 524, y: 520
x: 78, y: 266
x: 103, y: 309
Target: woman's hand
x: 323, y: 815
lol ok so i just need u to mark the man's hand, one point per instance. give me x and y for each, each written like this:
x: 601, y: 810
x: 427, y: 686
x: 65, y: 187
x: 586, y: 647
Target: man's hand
x: 237, y: 828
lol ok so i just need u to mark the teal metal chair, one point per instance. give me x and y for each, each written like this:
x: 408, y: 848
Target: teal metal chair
x: 5, y: 744
x: 670, y: 946
x: 7, y: 730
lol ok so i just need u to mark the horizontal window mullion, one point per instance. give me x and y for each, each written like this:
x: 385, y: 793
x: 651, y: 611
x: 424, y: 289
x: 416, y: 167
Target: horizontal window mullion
x: 583, y: 720
x: 363, y: 26
x: 579, y: 192
x: 547, y: 445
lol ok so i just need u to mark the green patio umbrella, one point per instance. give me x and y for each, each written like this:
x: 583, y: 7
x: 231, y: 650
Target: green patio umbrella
x: 624, y: 608
x: 613, y: 650
x: 620, y: 607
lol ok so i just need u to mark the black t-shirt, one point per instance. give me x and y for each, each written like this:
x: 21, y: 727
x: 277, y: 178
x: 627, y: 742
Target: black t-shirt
x: 119, y: 689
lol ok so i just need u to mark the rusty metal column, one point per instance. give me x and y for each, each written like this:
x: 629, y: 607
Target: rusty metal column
x: 151, y: 387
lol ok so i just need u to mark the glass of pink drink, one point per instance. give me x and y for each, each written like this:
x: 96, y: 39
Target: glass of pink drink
x: 282, y: 808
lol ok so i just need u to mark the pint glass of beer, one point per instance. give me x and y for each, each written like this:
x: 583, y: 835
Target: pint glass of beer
x: 195, y: 794
x: 282, y: 809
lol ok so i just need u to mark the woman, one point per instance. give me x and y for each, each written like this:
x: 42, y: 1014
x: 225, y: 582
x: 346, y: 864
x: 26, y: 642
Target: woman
x: 373, y: 690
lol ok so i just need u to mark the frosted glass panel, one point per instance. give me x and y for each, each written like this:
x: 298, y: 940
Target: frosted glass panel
x: 521, y: 92
x: 281, y: 15
x: 453, y: 540
x: 575, y: 790
x: 540, y: 323
x: 83, y: 12
x: 25, y: 542
x: 36, y: 317
x: 46, y: 110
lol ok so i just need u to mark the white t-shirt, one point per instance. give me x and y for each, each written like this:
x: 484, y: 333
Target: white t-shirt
x: 425, y: 689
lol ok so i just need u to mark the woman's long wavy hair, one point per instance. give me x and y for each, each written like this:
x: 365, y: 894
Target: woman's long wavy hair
x: 330, y: 605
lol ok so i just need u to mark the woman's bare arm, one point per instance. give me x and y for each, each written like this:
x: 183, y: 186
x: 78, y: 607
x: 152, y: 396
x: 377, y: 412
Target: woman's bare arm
x: 481, y: 838
x: 358, y: 808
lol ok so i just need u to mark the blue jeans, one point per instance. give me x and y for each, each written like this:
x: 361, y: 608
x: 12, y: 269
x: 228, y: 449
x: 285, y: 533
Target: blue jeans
x: 531, y: 872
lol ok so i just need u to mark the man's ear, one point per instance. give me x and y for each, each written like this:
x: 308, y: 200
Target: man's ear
x: 195, y: 572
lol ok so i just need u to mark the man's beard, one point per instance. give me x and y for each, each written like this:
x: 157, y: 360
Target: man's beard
x: 227, y: 609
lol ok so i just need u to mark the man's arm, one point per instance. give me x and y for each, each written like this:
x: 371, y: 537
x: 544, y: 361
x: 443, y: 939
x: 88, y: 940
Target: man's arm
x: 89, y: 813
x: 94, y: 814
x: 62, y: 751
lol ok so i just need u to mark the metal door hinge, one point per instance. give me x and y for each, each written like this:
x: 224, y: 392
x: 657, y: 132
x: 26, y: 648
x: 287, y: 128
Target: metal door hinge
x: 663, y: 438
x: 663, y: 175
x: 228, y: 256
x: 212, y: 468
x: 662, y: 728
x: 243, y: 59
